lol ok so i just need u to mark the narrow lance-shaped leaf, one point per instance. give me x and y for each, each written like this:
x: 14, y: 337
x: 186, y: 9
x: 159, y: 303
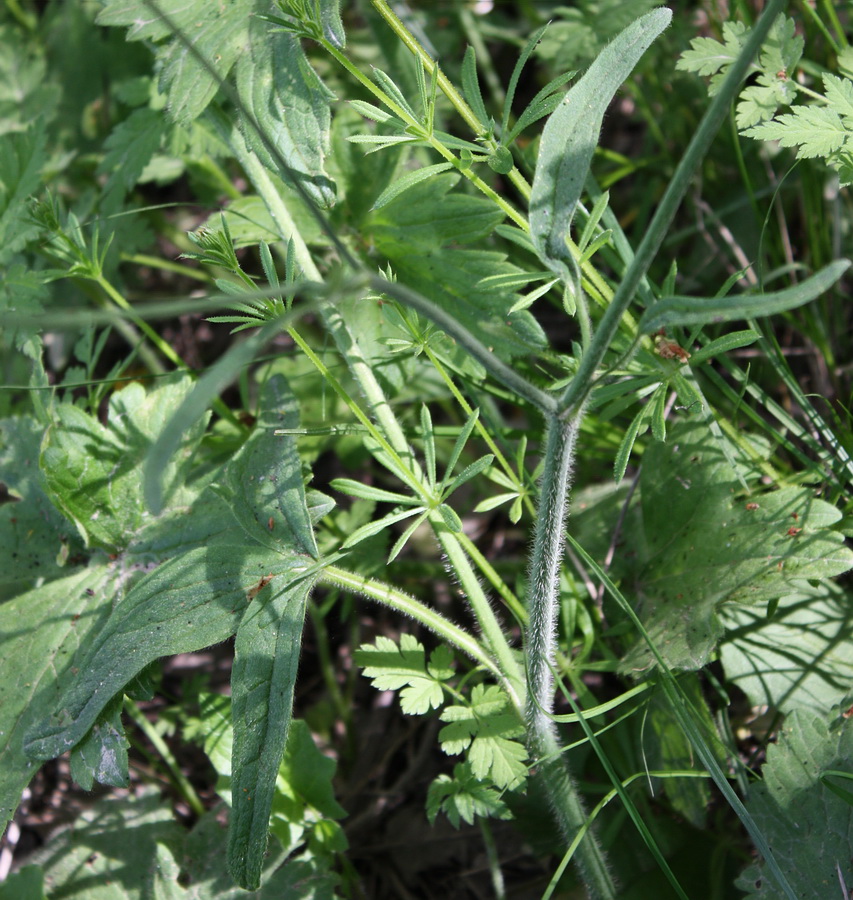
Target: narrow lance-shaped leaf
x: 263, y: 483
x: 266, y: 656
x: 570, y: 137
x: 702, y: 310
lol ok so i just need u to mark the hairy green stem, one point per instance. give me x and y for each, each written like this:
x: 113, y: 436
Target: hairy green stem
x: 398, y: 600
x: 581, y: 384
x: 540, y: 652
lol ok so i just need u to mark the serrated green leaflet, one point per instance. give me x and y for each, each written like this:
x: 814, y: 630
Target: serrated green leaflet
x: 405, y: 669
x: 131, y: 146
x: 486, y: 731
x: 810, y: 827
x: 570, y: 137
x: 219, y: 36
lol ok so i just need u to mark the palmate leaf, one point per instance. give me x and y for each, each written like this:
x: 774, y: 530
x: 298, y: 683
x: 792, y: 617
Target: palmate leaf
x: 413, y: 232
x: 464, y: 798
x: 487, y: 733
x: 40, y: 632
x: 705, y: 543
x: 208, y: 588
x: 286, y: 98
x: 405, y: 669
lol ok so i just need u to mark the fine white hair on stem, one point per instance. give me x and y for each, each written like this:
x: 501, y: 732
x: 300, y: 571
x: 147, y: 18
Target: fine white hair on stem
x: 545, y: 563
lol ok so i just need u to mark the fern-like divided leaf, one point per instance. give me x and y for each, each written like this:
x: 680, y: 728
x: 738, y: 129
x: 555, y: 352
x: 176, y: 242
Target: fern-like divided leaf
x: 405, y: 669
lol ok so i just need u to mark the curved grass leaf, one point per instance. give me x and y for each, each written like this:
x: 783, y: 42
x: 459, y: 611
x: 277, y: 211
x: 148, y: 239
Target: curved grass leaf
x: 266, y: 657
x: 725, y: 344
x: 703, y: 310
x: 570, y: 137
x: 529, y: 47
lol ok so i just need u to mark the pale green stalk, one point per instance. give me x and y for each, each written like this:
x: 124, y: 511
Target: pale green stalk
x: 380, y: 408
x: 404, y: 603
x: 180, y: 780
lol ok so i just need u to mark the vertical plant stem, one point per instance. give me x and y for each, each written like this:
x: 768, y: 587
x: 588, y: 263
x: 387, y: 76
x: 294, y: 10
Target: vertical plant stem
x: 540, y: 649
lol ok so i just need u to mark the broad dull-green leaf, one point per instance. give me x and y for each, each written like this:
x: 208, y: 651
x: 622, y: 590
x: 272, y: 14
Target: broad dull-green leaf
x: 708, y: 543
x: 41, y: 632
x: 800, y: 657
x: 283, y: 95
x: 93, y: 472
x: 217, y: 31
x: 34, y: 535
x: 189, y: 602
x: 263, y: 482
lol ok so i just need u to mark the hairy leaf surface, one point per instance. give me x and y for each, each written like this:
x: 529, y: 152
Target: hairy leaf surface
x: 707, y: 543
x: 570, y: 137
